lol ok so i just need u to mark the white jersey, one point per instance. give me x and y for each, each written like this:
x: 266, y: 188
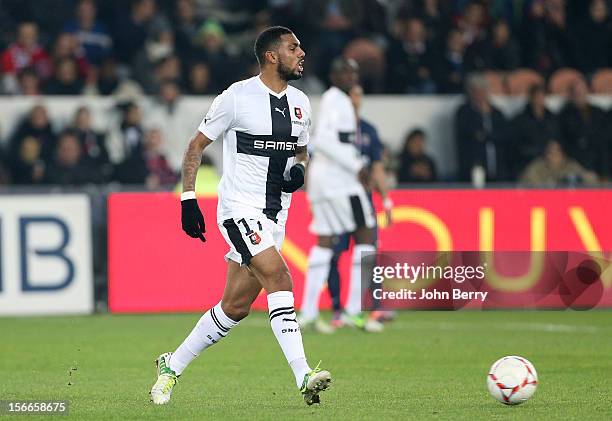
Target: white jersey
x: 261, y: 130
x: 336, y: 160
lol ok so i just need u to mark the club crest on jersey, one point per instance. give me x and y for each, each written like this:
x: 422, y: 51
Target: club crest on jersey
x: 255, y: 238
x: 298, y: 112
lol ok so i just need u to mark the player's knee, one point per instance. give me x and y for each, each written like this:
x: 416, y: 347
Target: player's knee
x: 236, y: 311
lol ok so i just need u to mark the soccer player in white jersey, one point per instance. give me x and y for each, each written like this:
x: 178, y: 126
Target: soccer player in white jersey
x: 338, y: 200
x: 264, y: 125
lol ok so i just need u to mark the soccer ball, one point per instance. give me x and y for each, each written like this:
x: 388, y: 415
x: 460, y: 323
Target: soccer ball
x: 512, y: 380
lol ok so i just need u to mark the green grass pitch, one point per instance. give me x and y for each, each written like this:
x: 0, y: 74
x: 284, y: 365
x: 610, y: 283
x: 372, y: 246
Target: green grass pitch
x: 426, y: 365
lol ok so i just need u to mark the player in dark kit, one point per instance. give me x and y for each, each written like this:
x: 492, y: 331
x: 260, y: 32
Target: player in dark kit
x: 264, y: 124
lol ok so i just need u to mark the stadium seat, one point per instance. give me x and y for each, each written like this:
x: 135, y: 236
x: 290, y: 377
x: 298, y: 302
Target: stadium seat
x: 521, y: 80
x: 602, y: 82
x: 497, y: 82
x: 563, y: 79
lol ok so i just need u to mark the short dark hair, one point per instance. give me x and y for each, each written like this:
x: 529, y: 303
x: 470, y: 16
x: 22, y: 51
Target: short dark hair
x: 415, y: 133
x: 268, y: 38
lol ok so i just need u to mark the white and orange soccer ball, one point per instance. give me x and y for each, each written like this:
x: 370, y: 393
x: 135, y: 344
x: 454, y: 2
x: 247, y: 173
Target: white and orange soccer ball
x: 512, y: 380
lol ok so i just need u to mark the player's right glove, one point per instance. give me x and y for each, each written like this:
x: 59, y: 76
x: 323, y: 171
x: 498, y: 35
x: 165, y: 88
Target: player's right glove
x: 191, y: 217
x: 296, y: 174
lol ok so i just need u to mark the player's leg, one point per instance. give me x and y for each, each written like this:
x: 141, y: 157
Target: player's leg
x: 326, y: 224
x: 273, y: 275
x: 333, y: 280
x: 364, y: 235
x: 241, y: 289
x: 319, y: 263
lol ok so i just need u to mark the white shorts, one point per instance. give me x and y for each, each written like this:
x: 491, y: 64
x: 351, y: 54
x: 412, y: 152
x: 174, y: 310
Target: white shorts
x: 249, y: 236
x: 342, y: 214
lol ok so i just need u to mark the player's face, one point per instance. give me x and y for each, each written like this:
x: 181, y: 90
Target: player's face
x: 346, y: 79
x: 290, y: 58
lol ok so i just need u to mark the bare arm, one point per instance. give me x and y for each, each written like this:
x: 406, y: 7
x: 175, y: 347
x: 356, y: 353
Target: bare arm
x: 301, y: 155
x: 379, y: 183
x: 192, y: 160
x: 379, y: 179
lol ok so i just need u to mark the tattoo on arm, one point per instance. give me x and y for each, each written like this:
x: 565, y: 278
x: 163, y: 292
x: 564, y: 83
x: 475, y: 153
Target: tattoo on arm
x: 192, y: 160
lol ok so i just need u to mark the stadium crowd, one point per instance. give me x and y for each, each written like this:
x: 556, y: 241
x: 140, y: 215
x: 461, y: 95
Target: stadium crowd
x: 198, y: 47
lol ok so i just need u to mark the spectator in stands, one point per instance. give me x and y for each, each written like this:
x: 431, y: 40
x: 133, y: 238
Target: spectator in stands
x: 28, y: 83
x: 472, y: 23
x: 23, y: 53
x: 530, y: 129
x: 186, y: 27
x: 131, y: 30
x: 66, y: 80
x: 415, y: 165
x: 498, y: 52
x: 148, y: 167
x: 555, y: 169
x: 37, y: 125
x: 335, y: 23
x: 28, y: 167
x: 583, y: 129
x: 480, y: 131
x: 93, y: 143
x: 92, y: 35
x: 200, y: 82
x: 533, y: 36
x: 106, y: 81
x: 157, y: 48
x: 449, y: 69
x: 168, y: 68
x: 409, y: 60
x: 66, y: 47
x: 159, y: 173
x: 436, y: 17
x: 546, y: 42
x: 126, y: 139
x: 211, y: 47
x: 169, y: 109
x: 68, y: 166
x: 592, y: 39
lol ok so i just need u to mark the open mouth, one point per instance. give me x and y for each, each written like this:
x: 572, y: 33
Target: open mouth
x: 301, y: 66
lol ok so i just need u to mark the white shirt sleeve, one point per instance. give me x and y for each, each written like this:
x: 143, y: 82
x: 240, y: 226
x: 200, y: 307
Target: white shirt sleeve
x: 220, y: 116
x: 331, y: 126
x: 304, y: 137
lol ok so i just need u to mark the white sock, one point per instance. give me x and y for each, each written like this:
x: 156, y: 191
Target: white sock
x: 353, y: 305
x: 287, y: 332
x: 213, y: 326
x: 319, y: 262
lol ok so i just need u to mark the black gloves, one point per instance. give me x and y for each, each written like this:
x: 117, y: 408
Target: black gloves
x: 296, y: 174
x: 192, y: 219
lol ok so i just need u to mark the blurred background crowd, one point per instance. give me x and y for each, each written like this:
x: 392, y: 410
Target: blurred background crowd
x: 169, y: 49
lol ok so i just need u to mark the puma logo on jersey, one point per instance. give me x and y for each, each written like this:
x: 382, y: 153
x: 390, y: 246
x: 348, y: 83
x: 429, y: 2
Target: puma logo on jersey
x: 279, y: 110
x: 274, y: 145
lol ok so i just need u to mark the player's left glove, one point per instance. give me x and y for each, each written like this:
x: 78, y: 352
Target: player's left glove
x: 296, y: 180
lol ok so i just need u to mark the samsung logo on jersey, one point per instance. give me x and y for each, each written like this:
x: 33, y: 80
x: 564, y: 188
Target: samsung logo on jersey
x: 274, y: 145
